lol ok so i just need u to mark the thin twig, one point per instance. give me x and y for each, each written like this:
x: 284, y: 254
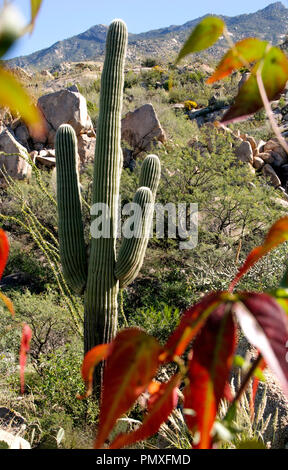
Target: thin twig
x: 246, y: 380
x: 268, y: 109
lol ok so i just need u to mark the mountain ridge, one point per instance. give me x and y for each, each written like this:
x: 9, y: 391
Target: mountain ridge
x: 269, y: 23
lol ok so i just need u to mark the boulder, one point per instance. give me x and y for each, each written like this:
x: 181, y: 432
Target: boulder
x: 260, y: 146
x: 15, y: 163
x: 258, y: 163
x: 266, y: 157
x: 271, y: 174
x: 279, y: 159
x: 9, y: 441
x: 45, y: 160
x: 244, y: 152
x: 64, y: 106
x: 252, y: 142
x: 86, y: 148
x: 273, y: 145
x: 141, y: 127
x: 22, y: 135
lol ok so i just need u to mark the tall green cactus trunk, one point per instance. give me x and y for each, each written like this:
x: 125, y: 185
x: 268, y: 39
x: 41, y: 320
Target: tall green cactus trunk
x: 102, y: 286
x: 100, y: 282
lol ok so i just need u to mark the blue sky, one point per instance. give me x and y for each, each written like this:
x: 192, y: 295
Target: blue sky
x: 60, y: 19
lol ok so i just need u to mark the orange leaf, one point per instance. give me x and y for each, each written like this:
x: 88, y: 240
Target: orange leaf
x: 245, y: 51
x: 130, y: 367
x: 209, y: 370
x: 13, y: 95
x: 8, y: 303
x: 160, y: 406
x: 4, y: 251
x: 277, y: 234
x: 24, y: 349
x: 91, y: 360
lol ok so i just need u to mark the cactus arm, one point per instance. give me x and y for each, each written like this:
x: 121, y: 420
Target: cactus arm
x: 71, y: 235
x: 150, y: 173
x: 132, y: 250
x: 100, y: 320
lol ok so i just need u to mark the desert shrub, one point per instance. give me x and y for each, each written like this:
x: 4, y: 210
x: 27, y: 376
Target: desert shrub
x: 178, y: 95
x: 59, y: 384
x: 157, y: 322
x: 49, y: 320
x: 149, y: 62
x: 23, y: 259
x: 228, y: 195
x: 131, y: 79
x: 150, y: 79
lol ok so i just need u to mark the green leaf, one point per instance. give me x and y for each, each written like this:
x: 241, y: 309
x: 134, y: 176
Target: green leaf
x: 239, y: 361
x: 274, y: 76
x: 203, y: 36
x: 13, y: 95
x: 244, y: 52
x: 35, y: 7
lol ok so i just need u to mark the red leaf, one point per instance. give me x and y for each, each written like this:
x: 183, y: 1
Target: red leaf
x: 274, y: 76
x: 191, y: 322
x: 4, y: 251
x: 245, y: 51
x: 91, y: 360
x: 265, y: 325
x: 277, y: 234
x: 24, y: 349
x: 208, y: 374
x: 131, y: 365
x: 160, y: 406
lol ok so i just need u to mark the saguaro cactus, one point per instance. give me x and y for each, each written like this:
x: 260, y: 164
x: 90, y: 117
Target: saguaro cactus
x: 100, y: 277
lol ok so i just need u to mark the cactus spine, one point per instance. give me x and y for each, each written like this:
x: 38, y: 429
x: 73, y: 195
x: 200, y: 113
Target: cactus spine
x: 101, y: 277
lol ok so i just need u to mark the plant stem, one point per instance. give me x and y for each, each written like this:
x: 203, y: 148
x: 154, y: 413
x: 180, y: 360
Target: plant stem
x: 269, y: 111
x: 245, y: 382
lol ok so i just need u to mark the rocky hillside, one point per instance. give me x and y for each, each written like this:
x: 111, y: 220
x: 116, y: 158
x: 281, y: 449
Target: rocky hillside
x: 270, y: 23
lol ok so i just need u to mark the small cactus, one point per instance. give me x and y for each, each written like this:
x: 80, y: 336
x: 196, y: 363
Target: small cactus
x: 100, y: 277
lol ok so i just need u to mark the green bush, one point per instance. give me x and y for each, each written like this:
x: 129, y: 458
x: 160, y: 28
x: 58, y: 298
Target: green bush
x: 59, y: 384
x: 131, y: 79
x: 156, y: 322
